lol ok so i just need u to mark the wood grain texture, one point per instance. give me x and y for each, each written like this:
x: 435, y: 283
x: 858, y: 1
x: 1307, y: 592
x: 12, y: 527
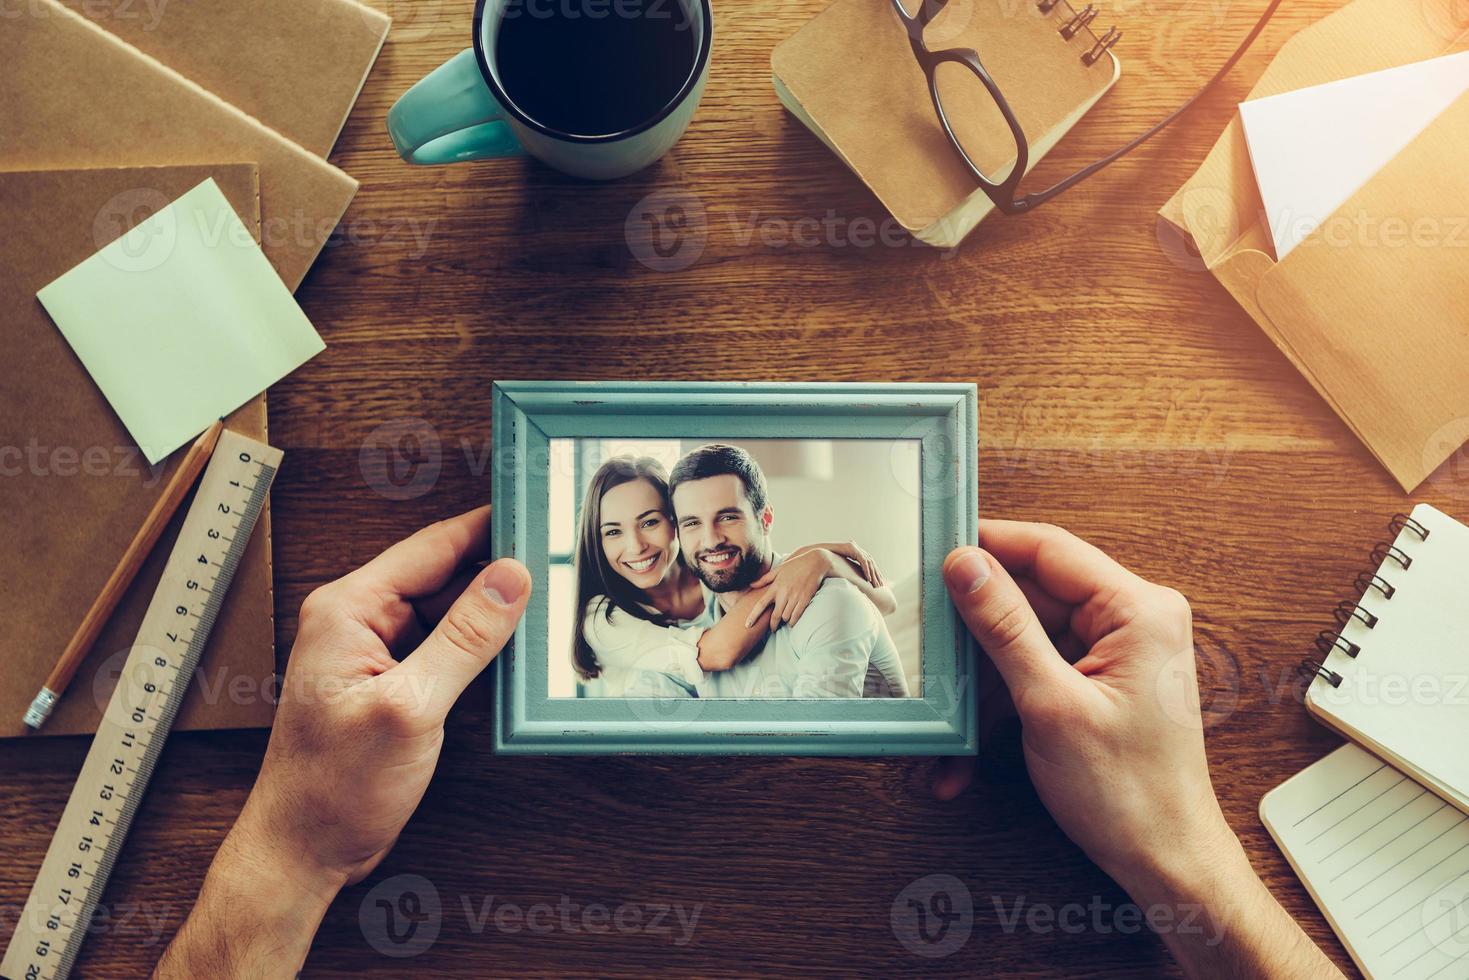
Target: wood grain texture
x: 1123, y: 394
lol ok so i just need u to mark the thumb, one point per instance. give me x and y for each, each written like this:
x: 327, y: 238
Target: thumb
x: 472, y: 632
x: 997, y: 613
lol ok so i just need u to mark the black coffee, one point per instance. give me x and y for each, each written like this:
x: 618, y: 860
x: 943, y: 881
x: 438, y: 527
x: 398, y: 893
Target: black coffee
x: 594, y: 67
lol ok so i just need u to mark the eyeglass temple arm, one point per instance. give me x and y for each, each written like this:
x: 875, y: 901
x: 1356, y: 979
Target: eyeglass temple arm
x: 917, y: 23
x: 1040, y: 197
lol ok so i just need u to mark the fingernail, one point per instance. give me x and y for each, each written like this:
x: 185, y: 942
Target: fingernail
x: 503, y: 582
x: 969, y: 573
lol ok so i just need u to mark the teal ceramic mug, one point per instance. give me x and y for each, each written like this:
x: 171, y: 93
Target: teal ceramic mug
x: 595, y: 88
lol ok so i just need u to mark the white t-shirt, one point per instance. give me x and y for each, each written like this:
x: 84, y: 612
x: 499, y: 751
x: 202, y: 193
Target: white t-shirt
x: 640, y: 659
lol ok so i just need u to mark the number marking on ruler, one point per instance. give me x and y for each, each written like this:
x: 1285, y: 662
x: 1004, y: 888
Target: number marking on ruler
x: 149, y: 691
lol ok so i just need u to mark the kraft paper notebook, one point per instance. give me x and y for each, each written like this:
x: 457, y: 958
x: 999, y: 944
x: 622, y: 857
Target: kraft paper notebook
x: 260, y: 56
x: 849, y: 76
x: 75, y: 488
x: 1371, y: 306
x: 1394, y: 674
x: 77, y: 96
x: 1385, y: 860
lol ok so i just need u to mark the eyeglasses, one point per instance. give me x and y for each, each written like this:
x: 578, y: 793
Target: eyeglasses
x: 1004, y: 191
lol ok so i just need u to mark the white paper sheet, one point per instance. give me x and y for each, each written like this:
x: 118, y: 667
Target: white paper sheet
x: 1314, y: 147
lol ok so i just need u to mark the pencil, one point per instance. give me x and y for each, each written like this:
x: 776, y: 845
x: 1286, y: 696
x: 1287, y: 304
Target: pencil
x: 122, y: 576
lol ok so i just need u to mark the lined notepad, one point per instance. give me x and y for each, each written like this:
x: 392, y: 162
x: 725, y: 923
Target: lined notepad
x: 1386, y: 860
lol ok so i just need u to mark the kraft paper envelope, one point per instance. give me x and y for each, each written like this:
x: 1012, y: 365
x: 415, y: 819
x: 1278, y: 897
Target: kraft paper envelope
x: 1370, y: 307
x: 1315, y: 147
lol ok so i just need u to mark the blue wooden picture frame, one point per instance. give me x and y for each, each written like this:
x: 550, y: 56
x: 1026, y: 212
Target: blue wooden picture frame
x: 943, y: 417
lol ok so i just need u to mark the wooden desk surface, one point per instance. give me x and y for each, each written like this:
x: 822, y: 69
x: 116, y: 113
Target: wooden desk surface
x: 1123, y: 394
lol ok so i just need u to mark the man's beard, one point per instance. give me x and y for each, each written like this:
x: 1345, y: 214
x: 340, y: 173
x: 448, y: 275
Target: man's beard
x: 735, y: 576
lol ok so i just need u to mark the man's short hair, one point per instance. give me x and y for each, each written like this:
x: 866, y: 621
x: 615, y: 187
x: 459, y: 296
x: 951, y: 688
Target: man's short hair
x: 718, y: 459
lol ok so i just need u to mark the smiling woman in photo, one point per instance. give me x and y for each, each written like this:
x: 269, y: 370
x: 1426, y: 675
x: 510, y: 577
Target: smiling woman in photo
x: 642, y: 627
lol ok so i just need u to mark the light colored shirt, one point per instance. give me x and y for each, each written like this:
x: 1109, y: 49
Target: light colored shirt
x: 825, y: 655
x: 641, y: 659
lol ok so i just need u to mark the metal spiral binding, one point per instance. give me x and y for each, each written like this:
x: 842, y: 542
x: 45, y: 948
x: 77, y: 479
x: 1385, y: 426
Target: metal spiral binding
x: 1400, y: 522
x: 1348, y: 609
x: 1383, y: 552
x: 1371, y: 580
x: 1078, y: 21
x: 1328, y: 640
x: 1081, y: 19
x: 1104, y: 43
x: 1315, y: 668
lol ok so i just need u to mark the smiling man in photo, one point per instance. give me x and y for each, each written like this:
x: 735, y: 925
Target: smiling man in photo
x: 724, y: 515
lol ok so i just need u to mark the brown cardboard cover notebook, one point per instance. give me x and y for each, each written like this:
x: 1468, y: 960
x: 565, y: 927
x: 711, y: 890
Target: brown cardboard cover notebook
x: 73, y: 486
x: 77, y: 96
x: 262, y: 56
x: 850, y: 76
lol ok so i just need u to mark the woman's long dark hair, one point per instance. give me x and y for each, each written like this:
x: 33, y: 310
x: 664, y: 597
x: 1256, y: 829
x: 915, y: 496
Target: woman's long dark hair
x: 594, y: 577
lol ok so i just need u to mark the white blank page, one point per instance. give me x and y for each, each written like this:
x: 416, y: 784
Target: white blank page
x: 1312, y: 148
x: 1386, y: 860
x: 1405, y: 696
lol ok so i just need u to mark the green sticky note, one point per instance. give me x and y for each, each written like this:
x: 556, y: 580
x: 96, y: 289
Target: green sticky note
x: 181, y: 320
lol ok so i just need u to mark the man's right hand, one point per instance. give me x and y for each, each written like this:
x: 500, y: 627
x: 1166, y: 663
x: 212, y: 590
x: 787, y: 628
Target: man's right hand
x: 1100, y: 665
x: 1114, y: 741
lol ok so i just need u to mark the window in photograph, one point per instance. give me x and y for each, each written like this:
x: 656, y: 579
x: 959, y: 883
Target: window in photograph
x: 661, y: 549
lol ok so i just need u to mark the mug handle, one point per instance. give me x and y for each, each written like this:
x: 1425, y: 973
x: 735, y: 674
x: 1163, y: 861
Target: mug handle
x: 450, y: 115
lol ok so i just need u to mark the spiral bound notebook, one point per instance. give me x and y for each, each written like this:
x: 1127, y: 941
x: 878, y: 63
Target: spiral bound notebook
x: 1385, y: 860
x: 850, y: 77
x: 1394, y: 674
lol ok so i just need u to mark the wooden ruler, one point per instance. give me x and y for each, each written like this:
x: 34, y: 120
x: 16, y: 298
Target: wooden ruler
x: 132, y: 731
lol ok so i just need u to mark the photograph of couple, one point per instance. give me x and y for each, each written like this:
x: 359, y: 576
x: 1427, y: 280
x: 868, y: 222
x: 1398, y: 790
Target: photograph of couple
x: 763, y: 569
